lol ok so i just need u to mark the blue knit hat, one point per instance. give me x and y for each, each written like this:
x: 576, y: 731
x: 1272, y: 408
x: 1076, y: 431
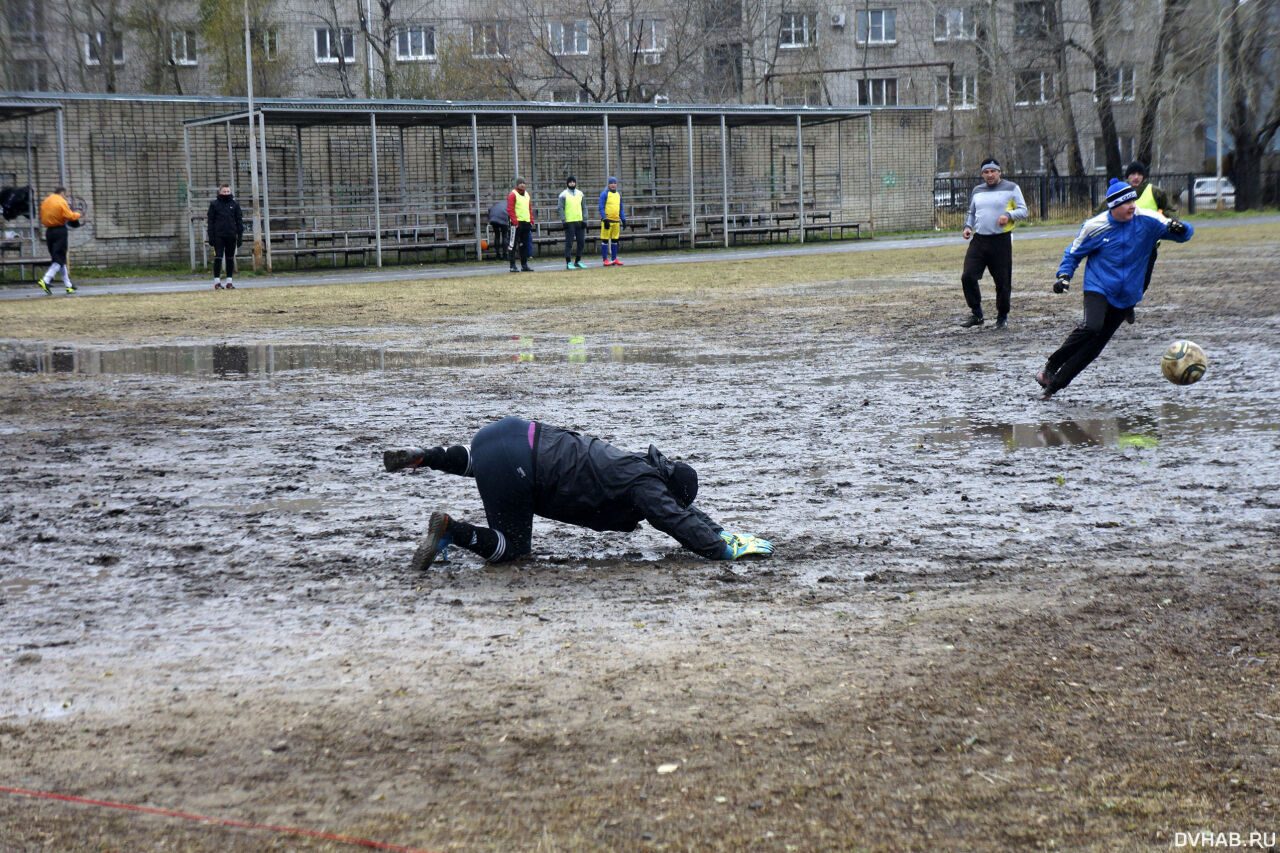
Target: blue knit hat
x: 1118, y: 192
x: 612, y: 181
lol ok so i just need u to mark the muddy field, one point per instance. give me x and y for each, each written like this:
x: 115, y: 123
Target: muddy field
x: 992, y: 622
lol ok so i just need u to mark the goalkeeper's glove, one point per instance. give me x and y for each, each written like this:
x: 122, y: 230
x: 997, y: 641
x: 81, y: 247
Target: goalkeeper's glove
x: 1062, y: 285
x: 1177, y: 228
x: 743, y: 545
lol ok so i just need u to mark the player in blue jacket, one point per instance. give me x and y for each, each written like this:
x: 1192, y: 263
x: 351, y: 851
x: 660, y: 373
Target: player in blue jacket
x: 525, y: 468
x: 1118, y: 244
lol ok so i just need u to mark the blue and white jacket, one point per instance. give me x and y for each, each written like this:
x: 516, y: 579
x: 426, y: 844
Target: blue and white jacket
x: 1118, y: 253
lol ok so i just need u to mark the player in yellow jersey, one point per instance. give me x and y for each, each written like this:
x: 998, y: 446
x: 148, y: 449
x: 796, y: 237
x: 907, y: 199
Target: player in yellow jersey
x: 612, y: 218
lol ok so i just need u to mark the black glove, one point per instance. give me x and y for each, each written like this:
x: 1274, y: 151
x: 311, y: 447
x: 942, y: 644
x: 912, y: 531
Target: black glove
x: 1177, y: 228
x: 1062, y: 285
x: 74, y: 223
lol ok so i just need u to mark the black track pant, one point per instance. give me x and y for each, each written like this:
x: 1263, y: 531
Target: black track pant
x: 574, y: 231
x: 1086, y: 341
x: 520, y: 244
x: 55, y: 239
x: 224, y: 247
x: 992, y: 252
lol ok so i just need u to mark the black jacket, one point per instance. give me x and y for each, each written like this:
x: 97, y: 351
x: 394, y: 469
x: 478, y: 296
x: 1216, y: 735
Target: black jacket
x: 588, y: 482
x: 225, y: 219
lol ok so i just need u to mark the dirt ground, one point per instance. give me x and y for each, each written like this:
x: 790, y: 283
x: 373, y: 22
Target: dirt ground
x: 992, y: 623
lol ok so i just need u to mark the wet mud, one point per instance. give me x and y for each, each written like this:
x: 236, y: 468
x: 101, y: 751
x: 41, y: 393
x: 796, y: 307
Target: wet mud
x: 992, y: 622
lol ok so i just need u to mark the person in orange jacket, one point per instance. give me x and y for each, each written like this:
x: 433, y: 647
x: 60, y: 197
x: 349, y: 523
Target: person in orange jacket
x: 55, y: 216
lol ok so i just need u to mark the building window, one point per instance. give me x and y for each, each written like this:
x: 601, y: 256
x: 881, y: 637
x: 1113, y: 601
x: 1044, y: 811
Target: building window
x: 270, y: 41
x: 489, y: 39
x: 332, y: 45
x: 960, y: 92
x: 799, y: 29
x: 955, y: 23
x: 1123, y: 87
x: 571, y: 96
x: 1030, y: 157
x: 94, y: 48
x: 949, y: 160
x: 1034, y: 87
x: 1031, y: 20
x: 569, y: 38
x: 25, y: 19
x: 801, y: 92
x: 878, y: 92
x: 182, y: 47
x: 652, y: 36
x: 29, y: 75
x: 415, y: 43
x: 1100, y: 151
x: 877, y: 26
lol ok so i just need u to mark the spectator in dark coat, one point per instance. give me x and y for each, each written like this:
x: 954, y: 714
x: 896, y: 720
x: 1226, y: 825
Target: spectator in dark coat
x: 225, y: 234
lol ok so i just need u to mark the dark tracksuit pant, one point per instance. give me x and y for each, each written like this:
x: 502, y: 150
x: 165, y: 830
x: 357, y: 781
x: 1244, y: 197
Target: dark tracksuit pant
x: 574, y: 231
x: 521, y: 243
x: 224, y: 247
x: 992, y: 252
x: 55, y: 239
x: 501, y: 461
x: 1086, y: 341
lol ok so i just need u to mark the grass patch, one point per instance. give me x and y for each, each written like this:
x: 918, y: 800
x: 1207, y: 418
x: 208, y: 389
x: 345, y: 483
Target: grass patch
x: 417, y: 302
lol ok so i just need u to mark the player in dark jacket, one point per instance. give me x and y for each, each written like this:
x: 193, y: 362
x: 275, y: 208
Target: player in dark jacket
x: 524, y: 468
x: 225, y: 233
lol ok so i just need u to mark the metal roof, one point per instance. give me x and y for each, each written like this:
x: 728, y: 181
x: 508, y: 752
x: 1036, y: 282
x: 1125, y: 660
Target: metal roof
x: 317, y: 112
x: 15, y: 108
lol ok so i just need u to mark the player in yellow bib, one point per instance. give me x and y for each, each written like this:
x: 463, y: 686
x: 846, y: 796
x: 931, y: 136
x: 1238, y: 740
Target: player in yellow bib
x: 575, y: 229
x: 612, y: 218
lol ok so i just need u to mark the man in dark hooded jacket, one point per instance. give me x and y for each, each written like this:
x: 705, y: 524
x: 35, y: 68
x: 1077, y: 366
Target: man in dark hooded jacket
x: 524, y: 468
x: 225, y: 234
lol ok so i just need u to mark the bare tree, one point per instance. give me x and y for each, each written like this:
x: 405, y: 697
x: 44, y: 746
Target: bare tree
x: 1250, y: 67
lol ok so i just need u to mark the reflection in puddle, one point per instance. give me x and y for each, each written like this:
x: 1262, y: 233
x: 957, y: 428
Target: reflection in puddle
x: 238, y: 361
x: 1088, y: 432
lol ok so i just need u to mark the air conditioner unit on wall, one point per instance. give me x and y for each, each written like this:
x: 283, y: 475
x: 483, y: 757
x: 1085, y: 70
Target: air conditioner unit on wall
x: 837, y: 19
x: 653, y: 59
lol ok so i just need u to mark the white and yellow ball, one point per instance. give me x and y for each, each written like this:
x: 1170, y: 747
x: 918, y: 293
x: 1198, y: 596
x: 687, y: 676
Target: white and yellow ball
x: 1183, y: 363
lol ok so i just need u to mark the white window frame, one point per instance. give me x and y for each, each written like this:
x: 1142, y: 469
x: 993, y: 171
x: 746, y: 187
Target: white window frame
x: 25, y: 19
x: 1023, y: 168
x: 489, y: 48
x: 955, y: 23
x: 875, y: 92
x: 798, y: 30
x: 1044, y: 86
x: 425, y: 48
x: 93, y: 48
x: 568, y: 38
x: 1124, y: 74
x: 801, y: 92
x: 965, y: 84
x: 871, y: 21
x: 183, y: 49
x: 344, y: 38
x: 270, y: 44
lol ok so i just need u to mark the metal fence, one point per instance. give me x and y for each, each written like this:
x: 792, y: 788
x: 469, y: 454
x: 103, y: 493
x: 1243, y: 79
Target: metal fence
x: 1057, y: 198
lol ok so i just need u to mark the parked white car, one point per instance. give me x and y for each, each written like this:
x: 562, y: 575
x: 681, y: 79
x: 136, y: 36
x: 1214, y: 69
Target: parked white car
x: 1206, y: 194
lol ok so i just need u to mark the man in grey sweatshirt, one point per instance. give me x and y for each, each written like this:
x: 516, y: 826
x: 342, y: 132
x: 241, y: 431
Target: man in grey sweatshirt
x: 993, y: 208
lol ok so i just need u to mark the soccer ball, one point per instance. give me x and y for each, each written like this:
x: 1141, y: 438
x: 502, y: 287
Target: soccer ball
x: 1183, y: 363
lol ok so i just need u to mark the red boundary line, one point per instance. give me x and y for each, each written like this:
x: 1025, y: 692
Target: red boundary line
x: 311, y: 833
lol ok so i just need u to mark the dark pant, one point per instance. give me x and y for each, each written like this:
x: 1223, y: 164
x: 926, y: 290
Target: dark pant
x: 1086, y: 341
x: 501, y: 235
x: 994, y: 253
x: 521, y: 243
x: 502, y: 463
x: 574, y: 231
x: 224, y: 247
x: 55, y: 239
